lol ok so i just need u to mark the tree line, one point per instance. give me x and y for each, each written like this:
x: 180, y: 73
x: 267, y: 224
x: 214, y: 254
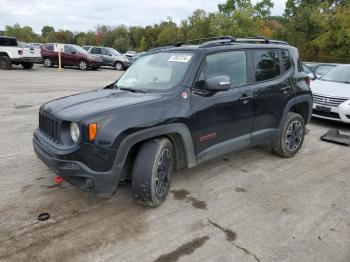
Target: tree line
x: 319, y: 28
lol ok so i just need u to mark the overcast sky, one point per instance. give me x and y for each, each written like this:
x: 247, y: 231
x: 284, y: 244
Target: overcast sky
x: 83, y: 15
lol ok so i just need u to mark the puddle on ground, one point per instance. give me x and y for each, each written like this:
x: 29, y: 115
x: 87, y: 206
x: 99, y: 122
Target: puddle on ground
x: 184, y: 250
x: 183, y: 194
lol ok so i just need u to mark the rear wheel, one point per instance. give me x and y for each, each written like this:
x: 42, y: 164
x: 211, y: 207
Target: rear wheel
x: 27, y: 65
x: 291, y: 137
x: 119, y: 66
x: 5, y: 63
x: 83, y: 65
x: 48, y: 62
x: 152, y: 172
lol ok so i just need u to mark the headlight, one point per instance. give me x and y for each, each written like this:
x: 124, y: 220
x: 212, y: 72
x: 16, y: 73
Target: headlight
x: 74, y: 131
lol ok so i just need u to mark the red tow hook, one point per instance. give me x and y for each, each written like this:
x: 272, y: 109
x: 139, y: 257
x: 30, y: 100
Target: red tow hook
x: 58, y: 180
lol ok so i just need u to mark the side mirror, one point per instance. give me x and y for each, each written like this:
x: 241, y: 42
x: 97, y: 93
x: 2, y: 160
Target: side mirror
x: 73, y: 52
x: 218, y: 83
x: 312, y: 76
x: 109, y: 54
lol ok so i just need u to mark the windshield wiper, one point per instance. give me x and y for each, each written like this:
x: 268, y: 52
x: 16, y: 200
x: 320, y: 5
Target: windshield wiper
x: 132, y: 90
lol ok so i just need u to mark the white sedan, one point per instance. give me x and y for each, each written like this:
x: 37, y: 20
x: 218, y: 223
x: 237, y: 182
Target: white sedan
x: 331, y: 95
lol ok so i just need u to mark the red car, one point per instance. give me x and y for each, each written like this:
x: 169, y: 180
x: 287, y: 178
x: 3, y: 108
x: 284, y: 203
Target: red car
x: 73, y: 55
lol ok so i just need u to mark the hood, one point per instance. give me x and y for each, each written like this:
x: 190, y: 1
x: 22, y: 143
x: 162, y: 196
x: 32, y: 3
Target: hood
x: 331, y: 89
x: 80, y: 106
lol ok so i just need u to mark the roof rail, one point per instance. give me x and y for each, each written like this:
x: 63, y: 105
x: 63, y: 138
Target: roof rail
x: 218, y: 39
x: 253, y: 40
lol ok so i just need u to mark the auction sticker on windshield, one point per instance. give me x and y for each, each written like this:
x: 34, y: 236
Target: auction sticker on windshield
x: 180, y: 58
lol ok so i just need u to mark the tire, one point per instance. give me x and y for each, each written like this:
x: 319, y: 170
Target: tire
x: 48, y: 62
x: 27, y: 65
x: 152, y: 172
x: 119, y: 66
x: 83, y: 65
x: 5, y: 63
x: 291, y: 137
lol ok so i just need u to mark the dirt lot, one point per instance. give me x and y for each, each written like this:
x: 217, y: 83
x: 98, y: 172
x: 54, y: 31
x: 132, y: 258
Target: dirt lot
x: 248, y: 206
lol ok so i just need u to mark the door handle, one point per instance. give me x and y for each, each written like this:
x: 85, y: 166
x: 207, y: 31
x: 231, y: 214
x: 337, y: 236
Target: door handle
x: 246, y: 97
x: 286, y: 88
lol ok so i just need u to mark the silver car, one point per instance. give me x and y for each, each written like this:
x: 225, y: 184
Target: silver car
x: 110, y: 57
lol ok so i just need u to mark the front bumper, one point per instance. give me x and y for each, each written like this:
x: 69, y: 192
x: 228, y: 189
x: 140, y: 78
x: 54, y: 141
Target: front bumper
x: 339, y: 114
x: 36, y: 60
x: 77, y: 173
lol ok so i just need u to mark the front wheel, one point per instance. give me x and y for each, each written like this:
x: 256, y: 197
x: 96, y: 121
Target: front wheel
x: 291, y: 137
x: 152, y: 172
x: 27, y: 65
x: 83, y: 65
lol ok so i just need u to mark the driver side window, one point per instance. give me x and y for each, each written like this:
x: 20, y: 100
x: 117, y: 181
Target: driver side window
x: 232, y: 64
x: 68, y: 49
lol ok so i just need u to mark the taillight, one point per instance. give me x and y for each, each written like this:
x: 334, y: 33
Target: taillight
x: 20, y: 52
x: 308, y: 81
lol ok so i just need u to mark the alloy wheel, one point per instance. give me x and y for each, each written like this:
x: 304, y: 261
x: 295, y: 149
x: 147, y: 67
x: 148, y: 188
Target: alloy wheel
x: 294, y: 135
x: 163, y: 172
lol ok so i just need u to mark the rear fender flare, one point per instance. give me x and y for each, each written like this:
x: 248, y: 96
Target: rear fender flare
x: 297, y: 100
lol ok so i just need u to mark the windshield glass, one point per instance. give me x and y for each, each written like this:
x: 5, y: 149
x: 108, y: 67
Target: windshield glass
x: 113, y: 51
x: 338, y: 74
x: 80, y: 49
x: 321, y: 70
x: 156, y: 72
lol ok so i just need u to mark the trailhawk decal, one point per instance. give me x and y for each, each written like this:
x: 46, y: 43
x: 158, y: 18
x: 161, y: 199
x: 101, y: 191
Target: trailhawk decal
x: 207, y: 137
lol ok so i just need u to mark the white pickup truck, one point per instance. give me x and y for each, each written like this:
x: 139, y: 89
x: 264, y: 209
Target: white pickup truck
x: 12, y: 53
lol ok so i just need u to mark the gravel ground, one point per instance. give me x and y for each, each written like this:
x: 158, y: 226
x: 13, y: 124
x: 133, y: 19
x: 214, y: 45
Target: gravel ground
x: 246, y: 206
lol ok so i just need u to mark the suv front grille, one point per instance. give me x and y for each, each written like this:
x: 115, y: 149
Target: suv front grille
x: 49, y: 126
x: 329, y: 101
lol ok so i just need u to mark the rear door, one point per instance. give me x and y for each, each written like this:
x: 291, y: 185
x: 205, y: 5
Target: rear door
x: 223, y: 121
x: 270, y: 74
x: 97, y: 51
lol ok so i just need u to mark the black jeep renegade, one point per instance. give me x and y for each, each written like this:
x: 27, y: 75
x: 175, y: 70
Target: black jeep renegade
x: 174, y: 108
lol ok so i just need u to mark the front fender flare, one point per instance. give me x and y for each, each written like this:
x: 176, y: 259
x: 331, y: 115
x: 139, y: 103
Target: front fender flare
x: 177, y: 128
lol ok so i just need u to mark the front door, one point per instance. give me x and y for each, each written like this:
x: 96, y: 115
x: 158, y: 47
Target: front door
x: 222, y: 121
x: 69, y: 55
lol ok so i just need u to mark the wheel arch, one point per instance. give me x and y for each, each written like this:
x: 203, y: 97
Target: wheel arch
x: 301, y: 105
x: 4, y: 54
x: 178, y: 134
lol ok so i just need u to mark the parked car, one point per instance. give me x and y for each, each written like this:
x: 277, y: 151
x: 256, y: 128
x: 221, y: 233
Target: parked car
x: 13, y: 53
x: 130, y: 53
x: 174, y: 109
x: 320, y: 69
x: 332, y: 95
x: 73, y: 55
x: 110, y: 57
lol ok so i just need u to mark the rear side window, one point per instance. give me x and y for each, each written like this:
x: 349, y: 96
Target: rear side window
x: 5, y: 41
x: 49, y: 47
x: 266, y: 65
x: 95, y: 50
x: 232, y: 64
x: 286, y: 60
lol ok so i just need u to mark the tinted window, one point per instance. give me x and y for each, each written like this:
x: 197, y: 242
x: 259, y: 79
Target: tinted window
x: 267, y: 65
x: 5, y: 41
x: 49, y: 47
x: 86, y: 47
x: 95, y: 50
x: 323, y: 69
x: 68, y: 49
x: 104, y: 51
x: 232, y: 64
x: 307, y: 70
x: 286, y: 60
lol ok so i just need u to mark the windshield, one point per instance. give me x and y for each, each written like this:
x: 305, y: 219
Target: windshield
x: 156, y: 72
x: 113, y: 51
x: 80, y: 49
x: 338, y: 74
x: 321, y: 70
